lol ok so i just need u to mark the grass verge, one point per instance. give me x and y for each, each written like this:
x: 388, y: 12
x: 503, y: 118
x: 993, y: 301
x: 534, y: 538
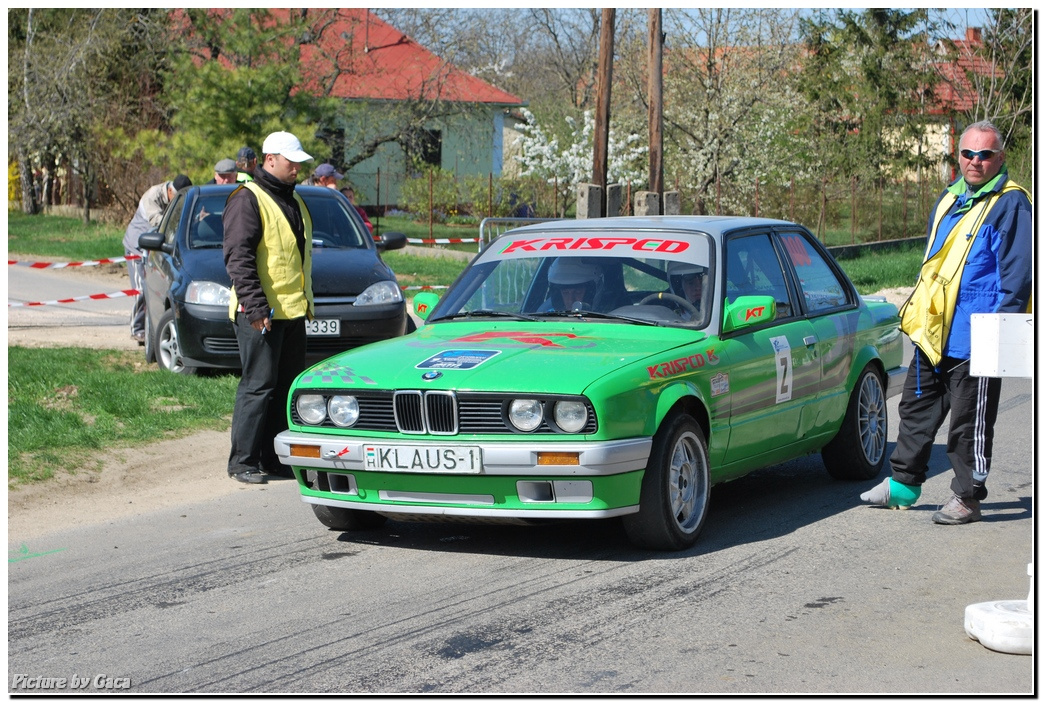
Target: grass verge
x: 65, y: 405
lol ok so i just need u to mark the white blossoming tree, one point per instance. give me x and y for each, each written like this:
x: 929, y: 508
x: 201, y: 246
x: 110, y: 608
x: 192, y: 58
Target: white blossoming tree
x: 567, y: 160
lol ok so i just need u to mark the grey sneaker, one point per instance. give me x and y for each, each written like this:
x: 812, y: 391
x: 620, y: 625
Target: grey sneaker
x: 958, y: 510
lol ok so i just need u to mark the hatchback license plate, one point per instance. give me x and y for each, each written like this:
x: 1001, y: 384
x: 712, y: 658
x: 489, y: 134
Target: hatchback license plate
x: 423, y: 459
x: 323, y: 327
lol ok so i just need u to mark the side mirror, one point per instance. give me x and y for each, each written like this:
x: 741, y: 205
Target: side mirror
x: 749, y: 310
x: 423, y: 304
x: 153, y: 241
x: 391, y: 241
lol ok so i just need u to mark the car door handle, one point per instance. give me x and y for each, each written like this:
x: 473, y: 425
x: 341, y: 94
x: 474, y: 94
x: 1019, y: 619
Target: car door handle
x: 809, y: 340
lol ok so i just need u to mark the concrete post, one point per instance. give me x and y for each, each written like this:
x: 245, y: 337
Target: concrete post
x: 646, y: 204
x: 614, y: 199
x: 588, y: 201
x: 672, y: 202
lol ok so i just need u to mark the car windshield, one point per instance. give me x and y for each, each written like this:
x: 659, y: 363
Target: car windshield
x: 656, y: 278
x: 331, y: 223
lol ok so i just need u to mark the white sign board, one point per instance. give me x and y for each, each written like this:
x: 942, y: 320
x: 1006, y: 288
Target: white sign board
x: 1002, y: 346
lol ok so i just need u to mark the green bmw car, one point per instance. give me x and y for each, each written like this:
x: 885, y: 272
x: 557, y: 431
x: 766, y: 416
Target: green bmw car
x: 603, y: 368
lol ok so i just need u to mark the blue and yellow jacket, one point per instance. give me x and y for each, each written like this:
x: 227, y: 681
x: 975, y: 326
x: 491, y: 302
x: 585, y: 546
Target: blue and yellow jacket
x: 993, y: 275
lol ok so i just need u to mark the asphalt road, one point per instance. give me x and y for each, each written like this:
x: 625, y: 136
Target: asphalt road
x: 794, y: 587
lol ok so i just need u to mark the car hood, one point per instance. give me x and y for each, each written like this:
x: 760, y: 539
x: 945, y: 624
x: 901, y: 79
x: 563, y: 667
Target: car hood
x: 346, y: 271
x: 333, y: 271
x: 552, y: 357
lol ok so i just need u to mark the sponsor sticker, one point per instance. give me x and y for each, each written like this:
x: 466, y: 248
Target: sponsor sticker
x: 458, y: 359
x: 720, y: 384
x: 595, y: 243
x: 681, y: 365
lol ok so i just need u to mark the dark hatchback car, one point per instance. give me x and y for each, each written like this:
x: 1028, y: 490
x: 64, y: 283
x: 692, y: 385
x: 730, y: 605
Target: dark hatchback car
x: 187, y: 289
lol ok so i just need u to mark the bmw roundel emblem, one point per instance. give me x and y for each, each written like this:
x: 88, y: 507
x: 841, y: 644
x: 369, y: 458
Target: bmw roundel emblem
x: 431, y: 375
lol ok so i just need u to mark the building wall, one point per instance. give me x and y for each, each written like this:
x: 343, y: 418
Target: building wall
x: 471, y: 145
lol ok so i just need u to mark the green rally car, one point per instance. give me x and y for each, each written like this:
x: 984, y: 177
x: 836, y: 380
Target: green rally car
x: 591, y: 369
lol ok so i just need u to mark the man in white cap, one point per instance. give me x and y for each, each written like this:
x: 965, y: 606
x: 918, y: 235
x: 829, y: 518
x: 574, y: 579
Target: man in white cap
x: 267, y: 251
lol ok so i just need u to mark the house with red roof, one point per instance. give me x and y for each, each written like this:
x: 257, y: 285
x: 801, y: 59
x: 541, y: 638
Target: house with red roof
x: 406, y: 104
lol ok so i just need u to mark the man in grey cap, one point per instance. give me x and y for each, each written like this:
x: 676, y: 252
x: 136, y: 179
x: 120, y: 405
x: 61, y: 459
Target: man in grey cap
x: 246, y: 163
x: 149, y: 214
x: 267, y: 252
x: 325, y: 175
x: 224, y: 173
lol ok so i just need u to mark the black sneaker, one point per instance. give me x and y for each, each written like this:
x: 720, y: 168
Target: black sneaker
x: 253, y: 477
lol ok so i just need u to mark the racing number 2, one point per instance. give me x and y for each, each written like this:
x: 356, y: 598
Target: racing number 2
x: 783, y: 363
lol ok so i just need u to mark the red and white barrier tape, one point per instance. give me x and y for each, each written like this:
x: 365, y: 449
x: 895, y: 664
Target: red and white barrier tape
x: 443, y: 241
x: 424, y: 287
x: 73, y: 264
x: 81, y: 298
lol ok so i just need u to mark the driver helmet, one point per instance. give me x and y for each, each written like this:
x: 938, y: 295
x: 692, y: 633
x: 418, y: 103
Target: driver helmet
x: 571, y: 272
x: 678, y: 270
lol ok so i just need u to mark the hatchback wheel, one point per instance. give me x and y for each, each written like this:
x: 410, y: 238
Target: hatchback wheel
x: 675, y: 491
x: 168, y: 350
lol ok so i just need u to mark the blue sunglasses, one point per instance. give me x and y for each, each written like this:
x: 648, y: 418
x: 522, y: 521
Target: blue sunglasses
x: 984, y: 155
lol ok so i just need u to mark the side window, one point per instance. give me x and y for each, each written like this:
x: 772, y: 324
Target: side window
x: 821, y: 287
x: 754, y: 269
x: 169, y: 224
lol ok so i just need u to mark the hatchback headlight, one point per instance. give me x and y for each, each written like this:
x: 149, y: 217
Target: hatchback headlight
x: 526, y: 415
x: 384, y: 292
x: 206, y: 292
x: 311, y: 408
x: 570, y: 416
x: 343, y: 410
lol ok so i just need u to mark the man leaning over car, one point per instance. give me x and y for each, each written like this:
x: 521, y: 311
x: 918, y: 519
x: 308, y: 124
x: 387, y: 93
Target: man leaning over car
x: 267, y: 251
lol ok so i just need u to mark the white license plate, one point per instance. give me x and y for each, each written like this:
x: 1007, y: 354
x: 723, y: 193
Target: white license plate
x: 323, y: 327
x: 423, y: 459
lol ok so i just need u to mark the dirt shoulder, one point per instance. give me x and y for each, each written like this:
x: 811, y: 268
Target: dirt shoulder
x: 135, y: 480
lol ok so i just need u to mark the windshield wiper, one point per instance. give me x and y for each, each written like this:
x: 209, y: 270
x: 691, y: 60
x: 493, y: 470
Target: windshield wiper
x: 579, y: 314
x: 487, y: 313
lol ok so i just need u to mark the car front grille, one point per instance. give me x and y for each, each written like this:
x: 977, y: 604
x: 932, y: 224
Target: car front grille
x: 441, y: 412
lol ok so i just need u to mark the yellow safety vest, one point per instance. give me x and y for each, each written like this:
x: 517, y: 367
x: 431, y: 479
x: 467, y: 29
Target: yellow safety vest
x: 284, y: 275
x: 926, y: 315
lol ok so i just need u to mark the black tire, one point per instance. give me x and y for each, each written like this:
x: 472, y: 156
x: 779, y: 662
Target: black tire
x: 149, y: 339
x: 410, y: 324
x: 168, y: 349
x: 859, y: 449
x: 341, y: 519
x: 676, y: 488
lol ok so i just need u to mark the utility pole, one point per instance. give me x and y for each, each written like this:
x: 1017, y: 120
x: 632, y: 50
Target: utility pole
x: 656, y: 181
x: 602, y: 122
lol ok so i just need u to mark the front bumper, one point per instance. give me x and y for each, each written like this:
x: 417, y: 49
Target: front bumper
x: 605, y: 483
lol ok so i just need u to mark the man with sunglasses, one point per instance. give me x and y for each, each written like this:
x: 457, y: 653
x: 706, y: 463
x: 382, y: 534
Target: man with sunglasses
x: 978, y: 259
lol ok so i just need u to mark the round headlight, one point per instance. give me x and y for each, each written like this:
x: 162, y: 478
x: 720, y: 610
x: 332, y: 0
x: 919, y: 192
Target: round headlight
x: 570, y: 416
x: 526, y: 415
x: 343, y: 410
x: 311, y: 408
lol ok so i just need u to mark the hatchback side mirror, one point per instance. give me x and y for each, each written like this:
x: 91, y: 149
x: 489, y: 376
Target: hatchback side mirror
x: 391, y: 241
x: 153, y: 241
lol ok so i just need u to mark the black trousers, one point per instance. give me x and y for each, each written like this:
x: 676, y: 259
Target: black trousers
x: 270, y: 364
x: 929, y: 395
